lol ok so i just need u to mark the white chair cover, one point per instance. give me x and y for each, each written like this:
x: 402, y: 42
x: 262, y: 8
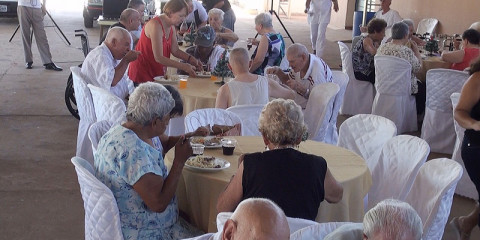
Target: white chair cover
x: 316, y: 231
x: 398, y: 165
x: 319, y: 110
x: 176, y: 126
x: 432, y: 195
x: 437, y: 128
x: 393, y: 99
x: 358, y: 94
x: 249, y: 115
x: 102, y: 219
x: 341, y: 79
x: 107, y: 106
x: 427, y: 25
x: 465, y: 186
x: 365, y: 134
x: 86, y: 112
x: 96, y: 131
x: 205, y: 116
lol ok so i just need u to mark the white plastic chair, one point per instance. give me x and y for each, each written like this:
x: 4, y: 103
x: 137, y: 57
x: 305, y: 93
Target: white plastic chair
x: 205, y: 116
x: 365, y: 134
x: 358, y: 94
x: 96, y: 131
x: 393, y: 99
x: 107, y: 106
x: 316, y: 231
x: 398, y: 165
x: 102, y: 219
x: 86, y: 111
x: 341, y: 79
x: 437, y: 128
x: 427, y: 25
x: 432, y: 195
x: 319, y: 110
x: 249, y: 115
x: 465, y: 186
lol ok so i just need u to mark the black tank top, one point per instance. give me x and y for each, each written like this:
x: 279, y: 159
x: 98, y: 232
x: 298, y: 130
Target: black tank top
x: 472, y: 135
x: 292, y: 179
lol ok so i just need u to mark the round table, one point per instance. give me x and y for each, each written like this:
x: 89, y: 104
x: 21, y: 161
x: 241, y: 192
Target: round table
x: 200, y: 93
x: 197, y: 192
x: 431, y: 63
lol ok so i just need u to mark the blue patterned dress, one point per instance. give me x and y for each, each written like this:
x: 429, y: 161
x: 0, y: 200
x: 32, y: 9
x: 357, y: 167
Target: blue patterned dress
x: 275, y: 52
x: 121, y: 159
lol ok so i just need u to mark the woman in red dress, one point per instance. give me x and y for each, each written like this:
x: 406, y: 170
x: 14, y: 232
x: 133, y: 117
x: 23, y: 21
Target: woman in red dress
x: 157, y: 41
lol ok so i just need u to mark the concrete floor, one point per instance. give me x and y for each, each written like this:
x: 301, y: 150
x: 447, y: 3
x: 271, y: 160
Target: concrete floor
x: 39, y: 192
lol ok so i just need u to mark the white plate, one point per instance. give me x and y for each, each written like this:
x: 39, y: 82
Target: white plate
x: 200, y: 75
x: 162, y: 80
x: 205, y: 139
x: 224, y: 164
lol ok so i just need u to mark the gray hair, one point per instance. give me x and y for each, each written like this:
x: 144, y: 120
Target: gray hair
x: 216, y: 11
x: 281, y: 122
x: 127, y: 14
x: 297, y: 49
x: 393, y: 219
x: 265, y: 19
x: 399, y: 30
x: 409, y: 22
x: 149, y: 101
x: 117, y: 33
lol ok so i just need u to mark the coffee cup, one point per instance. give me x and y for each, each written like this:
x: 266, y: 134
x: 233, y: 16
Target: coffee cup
x: 228, y: 146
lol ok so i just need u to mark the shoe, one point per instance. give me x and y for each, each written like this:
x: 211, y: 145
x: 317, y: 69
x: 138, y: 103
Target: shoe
x: 52, y: 66
x: 458, y: 231
x: 29, y: 65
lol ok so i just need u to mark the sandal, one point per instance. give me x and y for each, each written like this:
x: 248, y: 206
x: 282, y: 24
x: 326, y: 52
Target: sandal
x: 458, y: 231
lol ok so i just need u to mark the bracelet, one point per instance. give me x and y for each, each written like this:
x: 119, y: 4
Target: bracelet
x: 188, y: 60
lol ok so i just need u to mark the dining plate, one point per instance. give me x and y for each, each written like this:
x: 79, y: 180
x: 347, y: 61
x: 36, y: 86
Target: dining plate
x: 204, y: 163
x: 203, y: 74
x: 162, y: 80
x: 208, y: 141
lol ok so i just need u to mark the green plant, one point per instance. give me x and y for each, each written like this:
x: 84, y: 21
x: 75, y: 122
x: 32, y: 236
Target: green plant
x: 431, y: 46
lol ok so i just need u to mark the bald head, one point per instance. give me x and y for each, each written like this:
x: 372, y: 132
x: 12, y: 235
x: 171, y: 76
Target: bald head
x: 117, y: 33
x: 131, y: 19
x: 238, y: 59
x: 257, y: 218
x: 118, y: 40
x: 298, y: 57
x: 297, y: 50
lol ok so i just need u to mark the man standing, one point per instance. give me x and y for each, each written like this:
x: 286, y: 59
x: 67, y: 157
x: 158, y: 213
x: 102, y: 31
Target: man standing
x: 30, y: 15
x: 105, y: 66
x: 319, y: 12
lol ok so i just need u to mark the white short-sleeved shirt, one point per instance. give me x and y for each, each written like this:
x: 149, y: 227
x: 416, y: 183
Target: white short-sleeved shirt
x: 202, y: 13
x: 99, y: 69
x: 30, y: 3
x: 318, y: 72
x: 245, y: 93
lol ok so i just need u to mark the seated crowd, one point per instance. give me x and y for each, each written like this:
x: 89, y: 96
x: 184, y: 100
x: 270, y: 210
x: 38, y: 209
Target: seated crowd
x: 265, y: 189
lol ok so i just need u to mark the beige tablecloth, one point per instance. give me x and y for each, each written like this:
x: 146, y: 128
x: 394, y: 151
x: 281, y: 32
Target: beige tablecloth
x: 197, y: 192
x: 200, y: 93
x: 431, y: 63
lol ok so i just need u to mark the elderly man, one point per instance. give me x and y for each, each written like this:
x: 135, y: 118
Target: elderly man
x: 306, y: 71
x: 130, y: 19
x: 389, y: 219
x: 105, y: 66
x: 254, y: 218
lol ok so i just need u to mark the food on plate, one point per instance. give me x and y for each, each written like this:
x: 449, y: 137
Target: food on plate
x: 213, y: 141
x: 203, y: 73
x: 203, y: 162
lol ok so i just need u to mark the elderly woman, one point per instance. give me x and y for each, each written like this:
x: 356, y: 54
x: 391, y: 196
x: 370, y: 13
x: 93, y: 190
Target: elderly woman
x: 271, y: 47
x: 365, y: 49
x: 157, y: 42
x: 467, y: 113
x: 470, y: 50
x: 229, y: 18
x: 397, y: 48
x: 296, y: 181
x: 128, y: 163
x: 412, y: 39
x: 224, y: 36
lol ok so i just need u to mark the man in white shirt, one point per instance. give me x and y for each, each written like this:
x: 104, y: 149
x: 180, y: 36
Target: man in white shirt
x: 254, y: 218
x: 30, y: 15
x: 105, y: 66
x: 306, y: 71
x: 318, y: 18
